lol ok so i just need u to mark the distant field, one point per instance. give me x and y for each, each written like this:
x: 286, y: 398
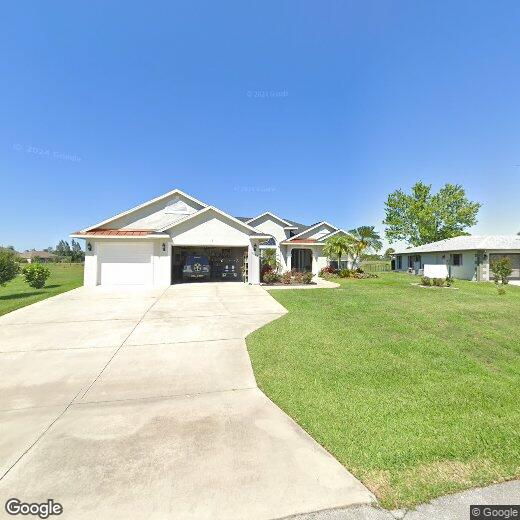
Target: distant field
x: 17, y: 293
x: 376, y: 266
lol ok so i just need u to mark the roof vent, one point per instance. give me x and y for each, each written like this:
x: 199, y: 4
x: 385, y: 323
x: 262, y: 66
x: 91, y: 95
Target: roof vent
x: 177, y: 207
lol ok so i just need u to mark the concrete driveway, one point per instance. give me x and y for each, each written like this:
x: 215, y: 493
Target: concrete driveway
x: 142, y: 404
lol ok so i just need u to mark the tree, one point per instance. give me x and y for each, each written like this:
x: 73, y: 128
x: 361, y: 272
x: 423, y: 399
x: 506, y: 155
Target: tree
x: 76, y: 253
x: 63, y: 248
x: 389, y: 252
x: 368, y: 236
x: 36, y: 275
x: 9, y: 267
x: 422, y: 217
x: 502, y: 269
x: 338, y: 246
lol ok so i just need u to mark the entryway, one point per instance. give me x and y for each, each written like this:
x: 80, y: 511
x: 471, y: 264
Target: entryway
x: 225, y: 263
x: 301, y: 260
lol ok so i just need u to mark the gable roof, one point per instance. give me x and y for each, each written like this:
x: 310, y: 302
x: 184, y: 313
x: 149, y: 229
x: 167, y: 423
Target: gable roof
x: 310, y: 228
x: 468, y: 243
x: 271, y: 215
x: 143, y: 205
x: 293, y: 224
x: 252, y: 230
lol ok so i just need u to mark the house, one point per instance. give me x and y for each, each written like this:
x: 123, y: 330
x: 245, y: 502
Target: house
x: 41, y: 256
x: 148, y: 244
x: 467, y: 257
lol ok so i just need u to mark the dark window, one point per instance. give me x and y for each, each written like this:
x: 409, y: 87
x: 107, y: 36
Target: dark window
x: 456, y: 259
x: 399, y: 262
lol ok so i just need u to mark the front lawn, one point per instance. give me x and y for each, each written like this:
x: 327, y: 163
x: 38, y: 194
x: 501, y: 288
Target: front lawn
x: 17, y: 293
x: 416, y: 391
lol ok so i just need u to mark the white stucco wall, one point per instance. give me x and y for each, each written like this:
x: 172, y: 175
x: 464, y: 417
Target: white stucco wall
x: 466, y: 271
x: 209, y: 229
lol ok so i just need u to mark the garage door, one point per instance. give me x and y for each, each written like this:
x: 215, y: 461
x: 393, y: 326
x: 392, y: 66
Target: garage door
x: 125, y: 264
x: 515, y: 264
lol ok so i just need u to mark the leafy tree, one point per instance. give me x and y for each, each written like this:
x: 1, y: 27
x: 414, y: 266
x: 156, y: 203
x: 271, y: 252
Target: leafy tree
x: 9, y: 267
x: 338, y: 246
x: 502, y: 269
x: 63, y: 248
x: 368, y: 236
x: 36, y: 275
x: 389, y: 252
x: 422, y: 217
x: 76, y: 253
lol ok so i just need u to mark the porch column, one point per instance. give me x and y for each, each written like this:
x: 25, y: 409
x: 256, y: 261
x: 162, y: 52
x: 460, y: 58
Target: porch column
x: 315, y: 266
x: 289, y: 253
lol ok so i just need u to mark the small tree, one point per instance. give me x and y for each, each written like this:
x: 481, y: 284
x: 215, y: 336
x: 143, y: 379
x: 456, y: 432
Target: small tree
x: 502, y: 269
x: 9, y: 267
x: 389, y: 252
x: 36, y: 275
x: 338, y: 246
x: 76, y: 253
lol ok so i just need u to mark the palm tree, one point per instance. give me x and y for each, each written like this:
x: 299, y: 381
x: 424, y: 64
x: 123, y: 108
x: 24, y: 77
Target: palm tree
x: 365, y: 237
x: 338, y: 246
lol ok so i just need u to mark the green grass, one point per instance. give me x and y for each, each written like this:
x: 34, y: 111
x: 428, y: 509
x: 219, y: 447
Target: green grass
x: 416, y: 391
x: 17, y: 293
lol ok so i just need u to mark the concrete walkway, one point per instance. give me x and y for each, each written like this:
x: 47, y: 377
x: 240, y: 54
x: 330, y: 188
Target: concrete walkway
x: 142, y: 404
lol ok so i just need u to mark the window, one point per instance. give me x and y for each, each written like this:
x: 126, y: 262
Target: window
x: 399, y: 262
x: 456, y: 259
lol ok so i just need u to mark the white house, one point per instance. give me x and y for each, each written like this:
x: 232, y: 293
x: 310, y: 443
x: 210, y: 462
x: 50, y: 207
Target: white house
x: 148, y: 244
x: 467, y: 257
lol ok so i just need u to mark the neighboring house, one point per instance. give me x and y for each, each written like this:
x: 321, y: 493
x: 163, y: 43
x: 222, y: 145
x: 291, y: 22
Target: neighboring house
x: 41, y: 256
x: 467, y: 257
x: 148, y: 244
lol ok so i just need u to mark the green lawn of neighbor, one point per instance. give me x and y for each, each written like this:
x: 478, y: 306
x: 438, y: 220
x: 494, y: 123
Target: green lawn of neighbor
x: 17, y: 293
x: 416, y: 391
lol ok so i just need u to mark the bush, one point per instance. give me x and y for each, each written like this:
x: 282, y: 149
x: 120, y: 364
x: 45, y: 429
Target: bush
x: 307, y: 278
x: 501, y: 290
x: 286, y: 278
x: 297, y: 277
x: 271, y: 277
x: 36, y: 275
x: 502, y: 269
x: 328, y: 271
x: 439, y: 282
x: 450, y: 281
x: 9, y: 266
x: 426, y: 281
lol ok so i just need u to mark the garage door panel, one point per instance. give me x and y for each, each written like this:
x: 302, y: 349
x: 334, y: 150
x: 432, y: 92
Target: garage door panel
x: 125, y: 264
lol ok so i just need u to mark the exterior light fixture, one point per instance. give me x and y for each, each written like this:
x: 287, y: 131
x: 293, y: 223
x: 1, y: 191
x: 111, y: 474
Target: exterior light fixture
x: 163, y: 247
x: 89, y: 246
x: 255, y: 247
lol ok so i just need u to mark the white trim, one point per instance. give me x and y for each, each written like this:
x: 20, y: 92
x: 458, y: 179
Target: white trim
x: 311, y: 228
x: 119, y: 237
x: 216, y: 210
x: 339, y: 230
x: 274, y: 216
x: 144, y: 204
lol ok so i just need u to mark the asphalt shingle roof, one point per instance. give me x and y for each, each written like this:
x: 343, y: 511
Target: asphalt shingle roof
x: 468, y: 243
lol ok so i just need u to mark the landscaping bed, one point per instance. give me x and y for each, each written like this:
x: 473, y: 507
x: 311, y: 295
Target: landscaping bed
x: 415, y: 392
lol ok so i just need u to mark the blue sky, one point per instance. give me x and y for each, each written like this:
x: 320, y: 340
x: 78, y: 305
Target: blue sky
x: 314, y: 110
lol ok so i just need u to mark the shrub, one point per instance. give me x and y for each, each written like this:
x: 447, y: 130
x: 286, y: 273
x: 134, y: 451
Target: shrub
x: 297, y: 277
x: 307, y: 278
x: 329, y: 270
x: 286, y: 278
x: 501, y: 290
x: 450, y: 281
x: 36, y: 275
x: 502, y: 269
x: 347, y: 273
x: 439, y: 282
x: 426, y: 281
x: 271, y: 277
x: 9, y: 266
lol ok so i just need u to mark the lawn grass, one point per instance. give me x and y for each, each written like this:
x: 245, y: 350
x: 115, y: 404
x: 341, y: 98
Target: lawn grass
x: 416, y: 391
x: 17, y: 293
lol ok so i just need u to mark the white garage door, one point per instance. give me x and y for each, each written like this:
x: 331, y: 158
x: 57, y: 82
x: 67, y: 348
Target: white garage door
x: 125, y: 264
